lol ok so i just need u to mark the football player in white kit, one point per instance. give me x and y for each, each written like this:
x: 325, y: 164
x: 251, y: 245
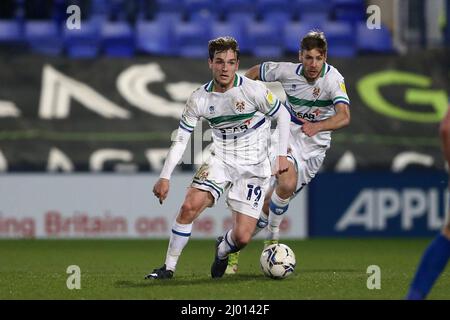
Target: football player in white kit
x: 318, y: 102
x: 239, y: 111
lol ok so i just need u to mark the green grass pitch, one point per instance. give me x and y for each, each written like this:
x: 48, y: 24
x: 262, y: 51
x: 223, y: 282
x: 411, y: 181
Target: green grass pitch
x: 115, y: 269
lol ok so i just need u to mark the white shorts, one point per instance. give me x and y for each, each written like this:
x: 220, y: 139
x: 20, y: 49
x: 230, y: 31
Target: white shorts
x: 245, y: 191
x: 306, y: 164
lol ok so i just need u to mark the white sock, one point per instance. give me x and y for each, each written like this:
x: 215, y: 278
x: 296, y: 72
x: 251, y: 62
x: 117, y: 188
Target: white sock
x: 261, y: 224
x: 227, y: 246
x: 178, y: 240
x: 277, y: 208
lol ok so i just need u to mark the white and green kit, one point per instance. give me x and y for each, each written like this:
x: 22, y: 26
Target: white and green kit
x: 311, y: 101
x: 240, y: 120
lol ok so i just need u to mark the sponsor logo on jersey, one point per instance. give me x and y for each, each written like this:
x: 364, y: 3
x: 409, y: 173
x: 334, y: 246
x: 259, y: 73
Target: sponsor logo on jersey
x: 342, y: 85
x: 308, y: 116
x: 212, y: 109
x: 240, y: 128
x: 269, y: 97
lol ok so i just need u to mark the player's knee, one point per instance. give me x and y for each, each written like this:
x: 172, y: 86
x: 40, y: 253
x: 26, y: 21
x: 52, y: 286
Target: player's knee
x: 187, y: 213
x: 286, y: 188
x: 242, y: 239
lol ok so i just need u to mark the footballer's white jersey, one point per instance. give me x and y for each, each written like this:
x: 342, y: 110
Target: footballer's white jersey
x: 238, y: 118
x: 311, y: 101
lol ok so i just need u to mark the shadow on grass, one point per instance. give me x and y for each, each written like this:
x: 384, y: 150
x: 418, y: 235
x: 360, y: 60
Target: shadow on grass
x: 195, y: 279
x: 331, y: 270
x: 185, y: 280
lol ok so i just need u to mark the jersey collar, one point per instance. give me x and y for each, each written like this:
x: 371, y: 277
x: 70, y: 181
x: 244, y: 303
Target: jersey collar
x: 209, y: 87
x: 324, y: 70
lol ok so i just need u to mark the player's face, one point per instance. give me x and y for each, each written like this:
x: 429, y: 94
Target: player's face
x: 313, y: 61
x: 224, y: 66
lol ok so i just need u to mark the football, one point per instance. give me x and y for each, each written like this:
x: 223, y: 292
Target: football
x: 277, y: 261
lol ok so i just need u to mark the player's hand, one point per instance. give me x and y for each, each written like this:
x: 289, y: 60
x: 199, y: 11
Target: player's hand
x: 310, y: 128
x: 282, y: 164
x: 161, y: 189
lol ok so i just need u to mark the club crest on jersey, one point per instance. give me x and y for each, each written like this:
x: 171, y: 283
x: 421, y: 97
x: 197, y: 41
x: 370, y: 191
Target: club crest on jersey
x: 316, y: 92
x: 203, y: 175
x: 211, y: 109
x: 240, y: 106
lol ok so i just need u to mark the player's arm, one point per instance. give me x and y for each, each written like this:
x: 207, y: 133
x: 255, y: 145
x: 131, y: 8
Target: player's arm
x: 444, y: 132
x: 187, y: 124
x: 339, y: 120
x: 253, y: 72
x: 161, y: 188
x: 283, y: 118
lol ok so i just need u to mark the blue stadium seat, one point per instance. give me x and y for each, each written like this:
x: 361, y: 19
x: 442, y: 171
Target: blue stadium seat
x: 264, y: 7
x: 191, y: 6
x: 311, y: 10
x: 373, y: 40
x: 10, y: 31
x: 84, y: 42
x: 227, y: 7
x: 191, y: 39
x: 174, y: 6
x: 118, y: 39
x: 44, y: 37
x: 100, y: 7
x: 172, y: 18
x: 349, y: 10
x: 340, y: 38
x: 264, y: 40
x: 203, y: 17
x: 220, y: 29
x: 154, y: 37
x: 293, y: 34
x: 278, y: 19
x: 244, y: 19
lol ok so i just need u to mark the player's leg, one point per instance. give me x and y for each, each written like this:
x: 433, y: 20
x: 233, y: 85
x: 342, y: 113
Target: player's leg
x: 271, y: 200
x: 195, y: 202
x: 245, y: 198
x: 233, y: 260
x: 233, y: 241
x: 431, y: 265
x: 279, y: 200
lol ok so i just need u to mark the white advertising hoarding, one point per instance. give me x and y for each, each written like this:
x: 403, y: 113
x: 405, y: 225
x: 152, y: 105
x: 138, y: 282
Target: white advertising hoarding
x: 111, y: 206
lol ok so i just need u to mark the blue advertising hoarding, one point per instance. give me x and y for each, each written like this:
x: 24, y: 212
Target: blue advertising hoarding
x: 377, y: 204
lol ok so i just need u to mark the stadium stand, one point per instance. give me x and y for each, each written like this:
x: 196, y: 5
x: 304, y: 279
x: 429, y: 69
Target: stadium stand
x: 183, y: 27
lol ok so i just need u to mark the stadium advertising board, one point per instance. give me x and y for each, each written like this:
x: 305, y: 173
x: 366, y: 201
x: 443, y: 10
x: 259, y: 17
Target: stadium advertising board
x: 109, y: 206
x: 99, y: 115
x: 377, y: 204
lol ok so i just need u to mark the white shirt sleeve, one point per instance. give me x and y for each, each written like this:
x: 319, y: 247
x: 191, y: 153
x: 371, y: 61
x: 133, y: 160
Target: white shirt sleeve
x: 271, y: 71
x: 188, y: 122
x: 337, y: 90
x: 175, y: 153
x: 271, y: 106
x: 283, y: 118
